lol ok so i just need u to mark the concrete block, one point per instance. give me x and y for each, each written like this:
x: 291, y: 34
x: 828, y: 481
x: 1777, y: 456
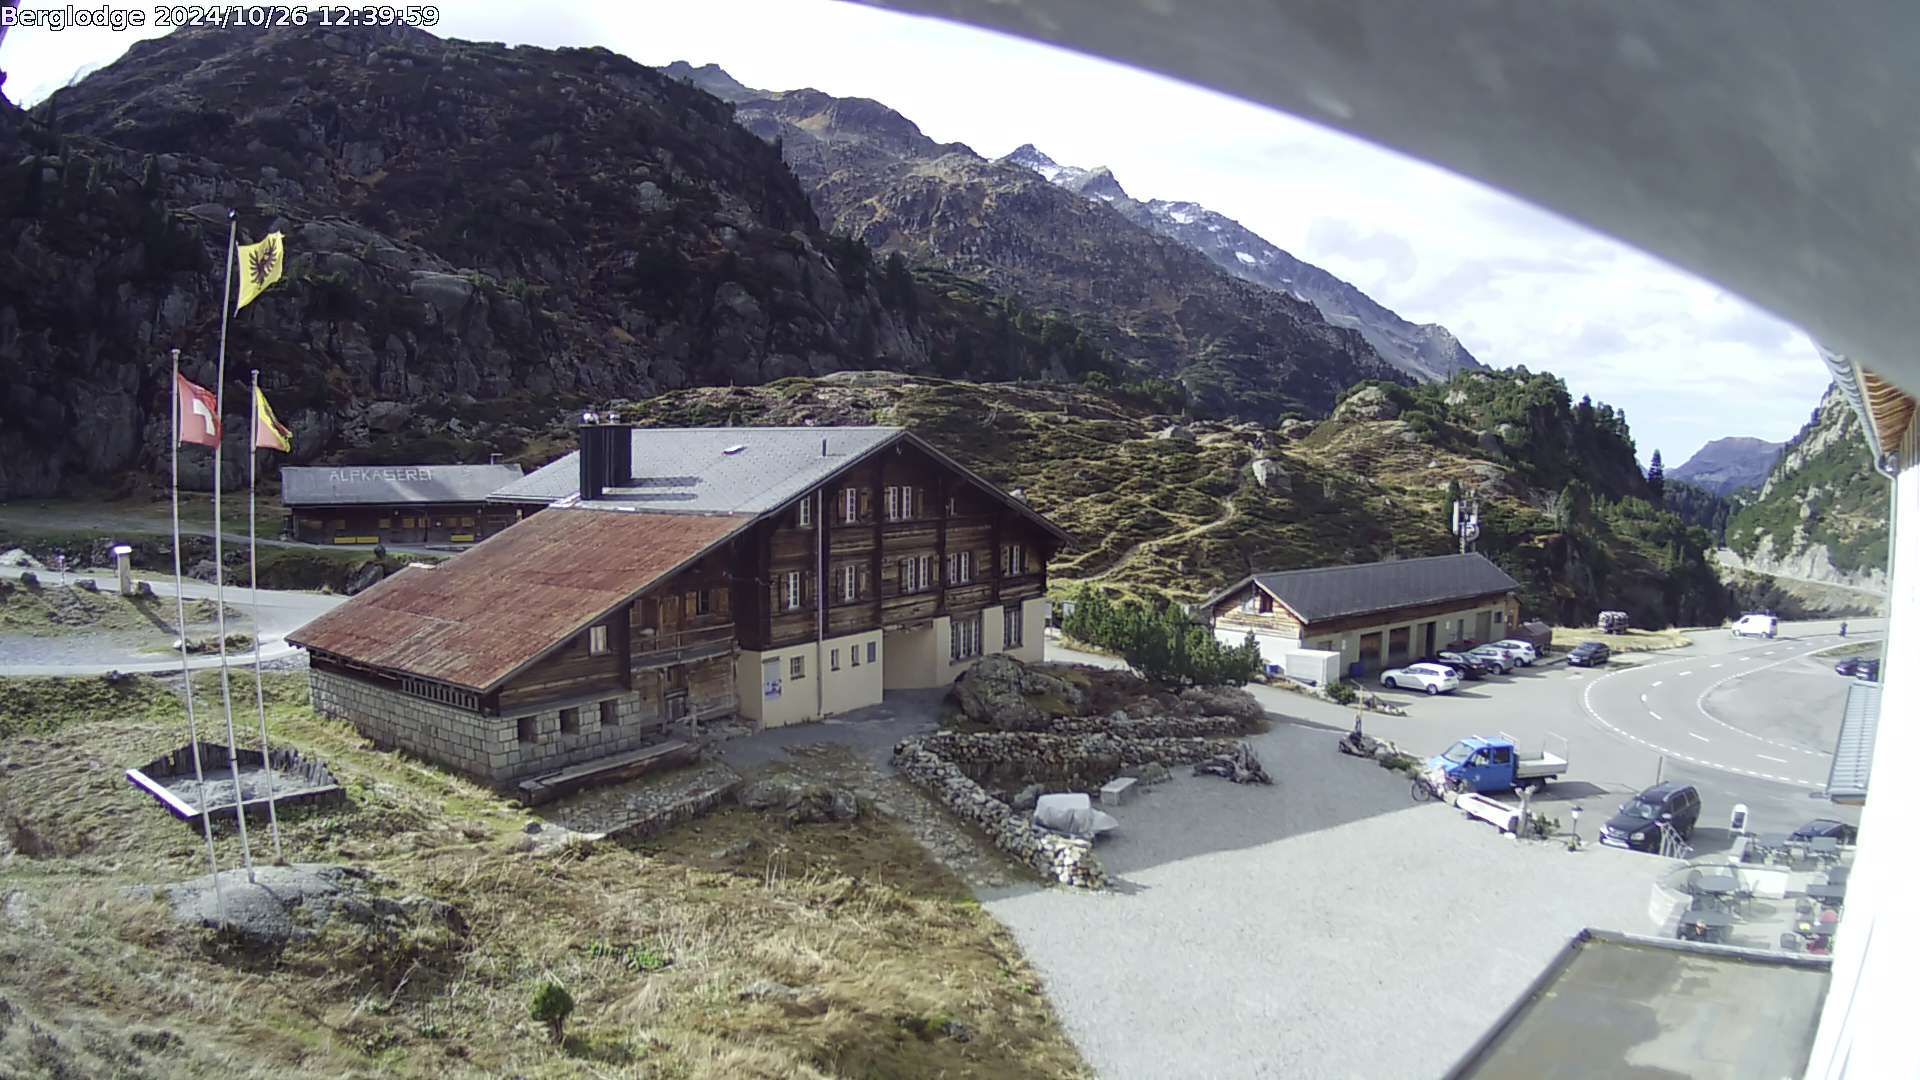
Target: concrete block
x: 1117, y: 791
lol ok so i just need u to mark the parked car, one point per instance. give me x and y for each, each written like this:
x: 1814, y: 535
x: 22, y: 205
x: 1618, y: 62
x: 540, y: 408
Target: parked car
x: 1589, y: 654
x: 1637, y: 825
x: 1495, y: 657
x: 1433, y: 678
x: 1859, y: 666
x: 1463, y: 665
x: 1819, y: 827
x: 1523, y: 649
x: 1755, y: 624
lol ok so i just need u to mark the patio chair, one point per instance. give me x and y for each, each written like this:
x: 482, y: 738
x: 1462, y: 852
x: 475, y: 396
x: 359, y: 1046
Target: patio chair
x: 1804, y: 907
x: 1790, y: 942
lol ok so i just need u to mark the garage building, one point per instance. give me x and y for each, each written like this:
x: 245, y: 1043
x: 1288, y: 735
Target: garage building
x: 1373, y: 615
x: 395, y: 504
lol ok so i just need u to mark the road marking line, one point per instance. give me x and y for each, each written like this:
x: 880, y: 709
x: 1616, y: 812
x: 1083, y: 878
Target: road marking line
x: 1702, y: 738
x: 1586, y: 705
x: 1766, y: 757
x: 1643, y: 699
x: 1656, y: 715
x: 1713, y: 665
x: 1657, y: 682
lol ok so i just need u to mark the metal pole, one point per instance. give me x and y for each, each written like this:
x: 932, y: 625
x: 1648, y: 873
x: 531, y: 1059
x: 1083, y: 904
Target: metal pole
x: 186, y: 672
x: 219, y: 563
x: 253, y: 588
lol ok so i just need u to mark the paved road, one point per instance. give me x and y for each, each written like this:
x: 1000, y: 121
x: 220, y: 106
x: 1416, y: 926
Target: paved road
x: 279, y: 613
x: 1617, y: 745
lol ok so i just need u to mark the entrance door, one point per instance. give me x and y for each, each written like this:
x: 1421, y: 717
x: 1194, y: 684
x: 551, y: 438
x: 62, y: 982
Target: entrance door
x: 1483, y: 626
x: 1398, y: 641
x: 1369, y: 654
x: 1431, y: 634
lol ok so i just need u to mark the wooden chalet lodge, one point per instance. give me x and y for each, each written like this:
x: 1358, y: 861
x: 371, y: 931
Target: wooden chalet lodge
x: 777, y: 574
x: 395, y: 504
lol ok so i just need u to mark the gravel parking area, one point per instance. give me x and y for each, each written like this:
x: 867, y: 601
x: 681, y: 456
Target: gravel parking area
x: 1322, y: 927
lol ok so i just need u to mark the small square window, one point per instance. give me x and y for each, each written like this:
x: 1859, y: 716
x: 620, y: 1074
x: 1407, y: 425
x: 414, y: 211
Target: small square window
x: 797, y: 667
x: 529, y: 728
x: 597, y: 641
x: 570, y: 721
x: 609, y: 712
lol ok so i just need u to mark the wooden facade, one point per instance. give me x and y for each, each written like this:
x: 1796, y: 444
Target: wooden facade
x: 901, y: 538
x: 415, y: 523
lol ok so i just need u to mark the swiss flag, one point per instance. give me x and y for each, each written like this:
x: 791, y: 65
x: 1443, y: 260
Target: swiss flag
x: 199, y: 419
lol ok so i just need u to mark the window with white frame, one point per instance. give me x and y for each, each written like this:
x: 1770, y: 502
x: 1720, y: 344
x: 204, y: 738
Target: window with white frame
x: 854, y: 655
x: 834, y: 660
x: 1013, y: 560
x: 848, y: 583
x: 597, y: 641
x: 806, y: 512
x: 959, y: 567
x: 873, y: 649
x: 797, y: 667
x: 892, y: 498
x: 965, y: 643
x: 916, y: 574
x: 793, y: 590
x: 1252, y: 602
x: 850, y: 505
x: 1011, y: 631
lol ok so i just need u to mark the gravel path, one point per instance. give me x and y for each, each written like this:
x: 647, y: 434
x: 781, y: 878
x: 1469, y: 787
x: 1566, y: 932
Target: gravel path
x: 1323, y: 927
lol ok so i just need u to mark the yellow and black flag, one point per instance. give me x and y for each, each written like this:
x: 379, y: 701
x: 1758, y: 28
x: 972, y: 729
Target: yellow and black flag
x: 268, y: 432
x: 260, y: 266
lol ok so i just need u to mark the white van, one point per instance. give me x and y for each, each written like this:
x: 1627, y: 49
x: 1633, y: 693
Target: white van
x: 1756, y: 626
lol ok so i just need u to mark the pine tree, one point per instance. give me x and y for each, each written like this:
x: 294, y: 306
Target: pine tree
x: 1657, y: 478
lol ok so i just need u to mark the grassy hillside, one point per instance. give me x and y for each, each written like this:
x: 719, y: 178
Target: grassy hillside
x: 1159, y: 503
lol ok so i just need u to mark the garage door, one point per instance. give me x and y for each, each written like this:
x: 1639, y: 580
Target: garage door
x: 1399, y: 640
x: 1369, y: 652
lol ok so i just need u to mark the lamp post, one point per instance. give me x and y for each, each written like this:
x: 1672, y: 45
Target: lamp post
x: 122, y: 563
x: 1576, y: 823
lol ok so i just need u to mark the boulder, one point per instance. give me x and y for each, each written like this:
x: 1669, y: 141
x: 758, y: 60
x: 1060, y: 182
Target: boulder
x: 19, y: 557
x: 1028, y: 796
x: 1008, y: 695
x: 1150, y: 774
x: 204, y: 570
x: 1491, y: 444
x: 800, y: 802
x: 388, y: 416
x: 1370, y: 403
x: 369, y: 575
x: 1222, y: 701
x: 1175, y: 432
x: 1268, y: 474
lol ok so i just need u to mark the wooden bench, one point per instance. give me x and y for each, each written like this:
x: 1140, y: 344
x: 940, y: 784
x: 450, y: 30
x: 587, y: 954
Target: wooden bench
x: 607, y: 770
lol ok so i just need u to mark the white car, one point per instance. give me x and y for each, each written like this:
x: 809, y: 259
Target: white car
x: 1433, y: 678
x: 1756, y: 626
x: 1500, y: 659
x: 1524, y: 650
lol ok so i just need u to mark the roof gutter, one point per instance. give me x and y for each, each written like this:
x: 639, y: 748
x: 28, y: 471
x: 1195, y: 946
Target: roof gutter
x: 1846, y: 375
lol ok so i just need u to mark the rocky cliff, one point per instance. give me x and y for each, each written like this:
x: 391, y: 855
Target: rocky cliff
x: 1821, y: 513
x: 1426, y: 351
x: 478, y: 238
x: 1725, y: 466
x: 1240, y: 349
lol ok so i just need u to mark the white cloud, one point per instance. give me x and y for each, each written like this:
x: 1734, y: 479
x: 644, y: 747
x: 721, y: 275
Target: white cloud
x: 1518, y: 285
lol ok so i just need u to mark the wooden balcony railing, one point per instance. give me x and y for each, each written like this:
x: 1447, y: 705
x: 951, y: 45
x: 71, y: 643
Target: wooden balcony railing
x: 652, y: 648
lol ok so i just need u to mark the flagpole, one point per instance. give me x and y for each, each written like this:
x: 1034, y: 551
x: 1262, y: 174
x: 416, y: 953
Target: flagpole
x: 186, y: 672
x: 253, y: 586
x: 219, y: 562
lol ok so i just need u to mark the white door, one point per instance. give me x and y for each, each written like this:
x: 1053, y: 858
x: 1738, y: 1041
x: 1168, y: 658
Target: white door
x: 770, y: 678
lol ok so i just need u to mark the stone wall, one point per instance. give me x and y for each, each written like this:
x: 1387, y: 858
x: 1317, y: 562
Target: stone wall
x: 1058, y: 858
x: 1152, y: 727
x: 945, y: 763
x: 488, y: 748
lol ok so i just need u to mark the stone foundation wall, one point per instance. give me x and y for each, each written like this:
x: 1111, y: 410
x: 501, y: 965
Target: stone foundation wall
x: 1156, y: 727
x: 488, y: 748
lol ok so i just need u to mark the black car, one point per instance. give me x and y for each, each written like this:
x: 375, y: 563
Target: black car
x: 1589, y: 654
x: 1819, y: 827
x: 1859, y: 667
x: 1464, y: 666
x: 1637, y: 825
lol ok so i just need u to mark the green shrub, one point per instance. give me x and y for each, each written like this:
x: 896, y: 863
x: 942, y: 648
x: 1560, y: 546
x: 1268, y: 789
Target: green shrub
x: 1343, y: 692
x: 551, y: 1005
x: 1162, y: 644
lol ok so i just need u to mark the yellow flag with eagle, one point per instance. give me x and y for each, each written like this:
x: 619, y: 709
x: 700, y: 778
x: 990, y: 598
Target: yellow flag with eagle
x: 260, y: 266
x: 268, y: 432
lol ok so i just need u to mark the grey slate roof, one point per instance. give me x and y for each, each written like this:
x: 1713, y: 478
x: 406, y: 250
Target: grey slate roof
x: 688, y: 471
x: 1333, y: 592
x: 1853, y: 751
x: 350, y: 485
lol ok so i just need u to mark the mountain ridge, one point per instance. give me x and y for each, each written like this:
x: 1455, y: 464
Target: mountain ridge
x: 1427, y: 351
x: 1731, y: 464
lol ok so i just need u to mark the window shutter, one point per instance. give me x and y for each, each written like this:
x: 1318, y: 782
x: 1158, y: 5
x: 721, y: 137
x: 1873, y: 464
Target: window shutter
x: 866, y: 581
x: 723, y: 601
x: 893, y: 503
x: 866, y: 505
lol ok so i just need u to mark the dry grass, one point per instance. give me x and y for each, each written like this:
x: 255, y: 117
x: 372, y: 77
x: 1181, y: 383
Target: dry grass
x: 1634, y: 640
x: 656, y: 941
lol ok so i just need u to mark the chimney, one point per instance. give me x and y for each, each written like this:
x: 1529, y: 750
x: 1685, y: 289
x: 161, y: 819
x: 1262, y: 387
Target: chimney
x: 606, y: 455
x: 493, y: 459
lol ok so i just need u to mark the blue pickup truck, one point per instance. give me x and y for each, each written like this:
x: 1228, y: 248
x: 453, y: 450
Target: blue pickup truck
x: 1481, y: 765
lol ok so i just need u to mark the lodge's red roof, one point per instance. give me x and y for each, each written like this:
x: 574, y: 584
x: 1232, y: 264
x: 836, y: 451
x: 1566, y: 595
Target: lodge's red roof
x: 480, y: 618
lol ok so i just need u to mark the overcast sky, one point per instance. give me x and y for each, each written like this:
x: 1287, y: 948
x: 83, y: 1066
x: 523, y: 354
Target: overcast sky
x: 1687, y: 361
